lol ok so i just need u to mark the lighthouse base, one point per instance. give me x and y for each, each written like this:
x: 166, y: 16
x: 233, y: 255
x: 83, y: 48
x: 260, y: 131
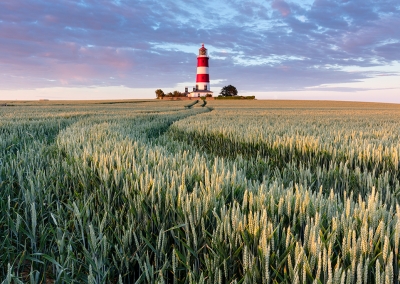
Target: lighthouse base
x: 200, y: 93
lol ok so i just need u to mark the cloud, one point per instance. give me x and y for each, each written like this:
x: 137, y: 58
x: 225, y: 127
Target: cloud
x: 388, y: 51
x: 275, y: 45
x: 281, y: 6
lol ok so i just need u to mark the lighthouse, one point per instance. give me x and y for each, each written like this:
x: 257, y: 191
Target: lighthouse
x: 202, y: 78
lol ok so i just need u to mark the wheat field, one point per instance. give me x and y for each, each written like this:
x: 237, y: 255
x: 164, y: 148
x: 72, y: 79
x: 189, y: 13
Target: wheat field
x: 228, y: 192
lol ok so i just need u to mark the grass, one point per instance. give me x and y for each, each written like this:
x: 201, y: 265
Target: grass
x: 237, y: 192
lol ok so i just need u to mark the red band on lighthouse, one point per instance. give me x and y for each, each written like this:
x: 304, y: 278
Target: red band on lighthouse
x: 203, y: 78
x: 202, y: 61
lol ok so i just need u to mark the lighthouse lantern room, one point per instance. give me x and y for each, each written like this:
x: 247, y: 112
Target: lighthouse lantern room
x: 202, y: 78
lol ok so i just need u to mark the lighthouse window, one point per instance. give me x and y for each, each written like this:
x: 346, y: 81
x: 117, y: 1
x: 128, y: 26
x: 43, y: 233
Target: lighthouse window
x: 205, y: 87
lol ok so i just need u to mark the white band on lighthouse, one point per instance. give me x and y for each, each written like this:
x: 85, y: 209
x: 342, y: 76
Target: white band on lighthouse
x: 202, y: 70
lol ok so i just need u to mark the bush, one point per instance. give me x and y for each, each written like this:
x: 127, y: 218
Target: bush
x: 175, y: 94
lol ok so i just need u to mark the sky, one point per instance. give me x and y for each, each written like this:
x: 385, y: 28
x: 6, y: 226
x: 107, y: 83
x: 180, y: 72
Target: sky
x: 274, y: 49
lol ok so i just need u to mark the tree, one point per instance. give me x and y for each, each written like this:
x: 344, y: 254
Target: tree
x: 229, y: 91
x: 177, y: 94
x: 159, y: 93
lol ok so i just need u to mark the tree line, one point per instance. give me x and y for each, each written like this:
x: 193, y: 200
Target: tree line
x: 227, y: 91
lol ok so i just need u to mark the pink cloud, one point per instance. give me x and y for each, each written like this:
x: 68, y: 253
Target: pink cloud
x: 50, y: 19
x: 384, y: 28
x: 281, y: 6
x: 284, y: 68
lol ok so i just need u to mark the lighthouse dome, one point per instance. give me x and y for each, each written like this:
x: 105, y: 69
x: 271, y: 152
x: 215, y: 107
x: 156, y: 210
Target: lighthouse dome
x: 202, y: 50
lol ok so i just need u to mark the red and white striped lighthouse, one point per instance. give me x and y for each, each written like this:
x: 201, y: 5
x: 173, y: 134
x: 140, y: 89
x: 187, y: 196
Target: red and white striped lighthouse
x: 202, y: 78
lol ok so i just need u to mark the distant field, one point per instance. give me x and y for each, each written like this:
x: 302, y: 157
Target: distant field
x: 252, y: 103
x: 149, y: 191
x: 66, y: 103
